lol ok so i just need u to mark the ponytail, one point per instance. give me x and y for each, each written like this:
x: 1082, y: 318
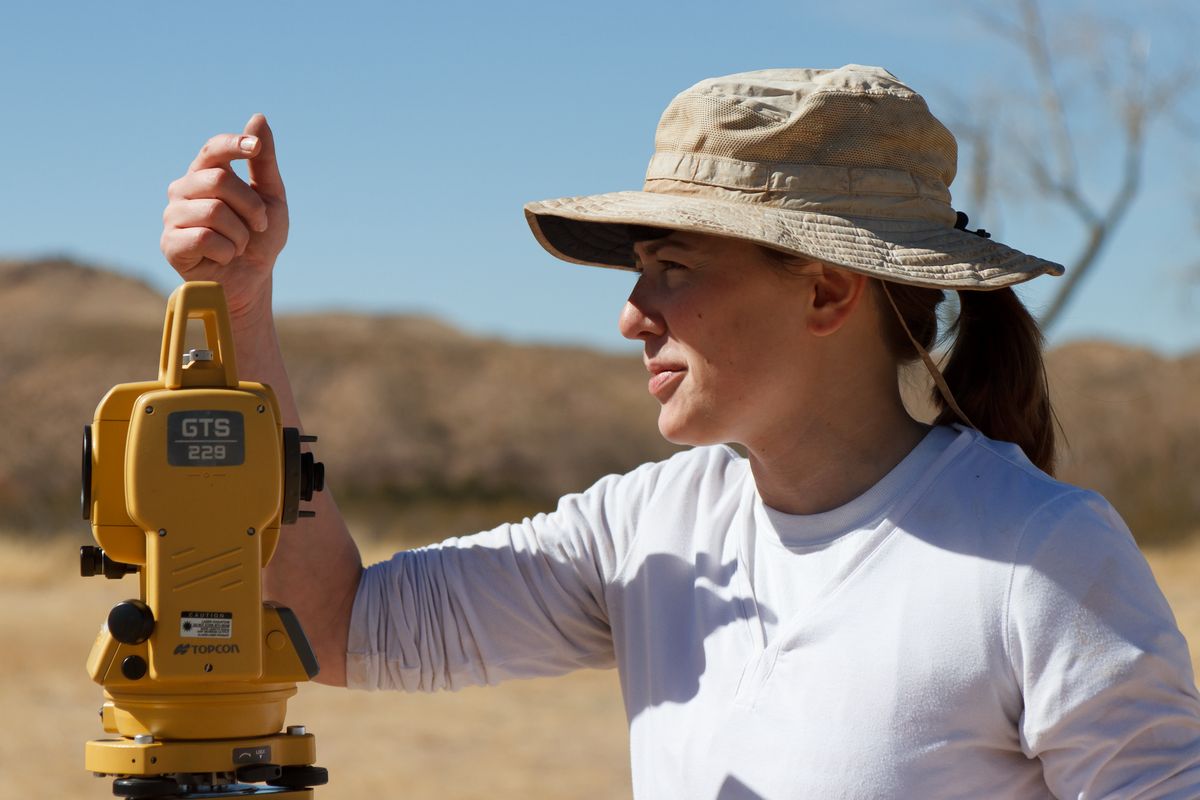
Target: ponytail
x: 995, y: 370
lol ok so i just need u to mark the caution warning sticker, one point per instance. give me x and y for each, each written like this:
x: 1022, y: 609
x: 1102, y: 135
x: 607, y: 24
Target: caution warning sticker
x: 206, y: 624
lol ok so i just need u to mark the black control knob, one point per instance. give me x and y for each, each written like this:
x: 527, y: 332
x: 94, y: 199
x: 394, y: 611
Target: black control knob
x: 303, y: 476
x: 254, y: 773
x: 300, y: 777
x: 312, y: 476
x: 114, y: 570
x: 134, y: 668
x: 131, y: 622
x: 94, y: 561
x: 146, y: 787
x: 85, y: 491
x: 91, y: 561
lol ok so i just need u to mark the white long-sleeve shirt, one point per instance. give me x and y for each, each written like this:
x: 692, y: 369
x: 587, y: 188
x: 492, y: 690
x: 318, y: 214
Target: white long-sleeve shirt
x: 968, y: 627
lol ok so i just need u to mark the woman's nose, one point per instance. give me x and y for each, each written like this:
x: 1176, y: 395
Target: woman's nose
x: 639, y: 320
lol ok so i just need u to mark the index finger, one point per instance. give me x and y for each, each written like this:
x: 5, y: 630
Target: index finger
x: 224, y: 148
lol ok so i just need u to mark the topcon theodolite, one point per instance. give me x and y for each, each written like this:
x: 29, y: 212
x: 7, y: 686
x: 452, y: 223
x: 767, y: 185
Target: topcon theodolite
x: 186, y: 481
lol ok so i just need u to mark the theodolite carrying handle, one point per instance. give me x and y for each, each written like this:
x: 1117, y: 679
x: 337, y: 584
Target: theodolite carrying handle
x: 203, y: 300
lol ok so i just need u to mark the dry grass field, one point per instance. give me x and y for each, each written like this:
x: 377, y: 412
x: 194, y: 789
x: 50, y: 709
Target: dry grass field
x: 556, y: 738
x: 560, y: 738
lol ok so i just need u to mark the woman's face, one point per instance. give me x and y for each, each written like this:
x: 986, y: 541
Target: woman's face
x: 725, y: 331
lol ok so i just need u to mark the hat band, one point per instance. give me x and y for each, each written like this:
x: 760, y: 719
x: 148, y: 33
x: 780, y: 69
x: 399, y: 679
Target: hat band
x: 837, y: 191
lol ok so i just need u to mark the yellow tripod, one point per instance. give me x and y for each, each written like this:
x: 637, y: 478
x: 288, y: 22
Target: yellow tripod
x: 186, y: 481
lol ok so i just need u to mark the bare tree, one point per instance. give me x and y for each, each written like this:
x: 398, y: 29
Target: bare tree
x: 1110, y: 62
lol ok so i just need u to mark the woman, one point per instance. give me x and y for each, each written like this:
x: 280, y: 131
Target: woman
x: 864, y: 606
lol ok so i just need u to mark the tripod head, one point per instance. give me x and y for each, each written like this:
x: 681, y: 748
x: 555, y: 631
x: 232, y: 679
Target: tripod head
x: 186, y: 482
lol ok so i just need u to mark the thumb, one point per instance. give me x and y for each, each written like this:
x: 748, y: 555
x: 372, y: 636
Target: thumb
x: 264, y: 169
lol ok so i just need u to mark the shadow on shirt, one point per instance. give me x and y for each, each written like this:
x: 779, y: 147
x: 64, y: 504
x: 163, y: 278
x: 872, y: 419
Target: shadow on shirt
x: 733, y: 789
x: 662, y: 618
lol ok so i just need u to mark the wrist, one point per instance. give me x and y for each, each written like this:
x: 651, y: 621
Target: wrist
x: 254, y: 315
x: 250, y: 322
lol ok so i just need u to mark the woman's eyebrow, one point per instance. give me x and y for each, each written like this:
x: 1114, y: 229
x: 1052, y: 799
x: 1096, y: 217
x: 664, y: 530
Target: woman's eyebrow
x: 654, y: 248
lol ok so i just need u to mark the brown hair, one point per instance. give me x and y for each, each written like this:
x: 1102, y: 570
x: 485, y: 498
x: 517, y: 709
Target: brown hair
x: 995, y: 370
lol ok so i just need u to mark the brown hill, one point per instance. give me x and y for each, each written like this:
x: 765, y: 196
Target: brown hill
x: 1131, y: 424
x: 407, y: 408
x: 414, y: 414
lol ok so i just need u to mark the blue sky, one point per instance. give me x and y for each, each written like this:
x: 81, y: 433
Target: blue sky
x: 410, y: 135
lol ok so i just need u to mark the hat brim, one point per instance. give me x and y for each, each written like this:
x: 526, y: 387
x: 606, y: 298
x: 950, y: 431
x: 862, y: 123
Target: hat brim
x: 599, y: 230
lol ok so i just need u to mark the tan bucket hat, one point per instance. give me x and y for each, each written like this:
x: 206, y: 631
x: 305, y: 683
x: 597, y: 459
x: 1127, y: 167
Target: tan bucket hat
x: 847, y: 166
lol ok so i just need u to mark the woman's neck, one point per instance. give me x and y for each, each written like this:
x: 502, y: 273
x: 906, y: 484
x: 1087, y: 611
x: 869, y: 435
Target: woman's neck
x: 831, y: 459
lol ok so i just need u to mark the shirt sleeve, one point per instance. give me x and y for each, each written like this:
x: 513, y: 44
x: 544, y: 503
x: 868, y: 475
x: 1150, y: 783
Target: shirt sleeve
x: 1110, y: 702
x: 522, y: 600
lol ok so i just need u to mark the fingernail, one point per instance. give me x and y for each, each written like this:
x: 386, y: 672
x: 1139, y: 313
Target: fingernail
x: 248, y: 143
x: 260, y: 226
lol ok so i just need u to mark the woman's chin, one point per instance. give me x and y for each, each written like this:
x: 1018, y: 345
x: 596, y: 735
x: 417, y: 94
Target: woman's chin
x: 678, y: 429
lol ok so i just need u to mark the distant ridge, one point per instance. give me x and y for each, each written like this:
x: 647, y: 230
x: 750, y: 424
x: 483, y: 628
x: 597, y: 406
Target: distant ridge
x: 33, y: 289
x: 408, y: 408
x: 411, y: 410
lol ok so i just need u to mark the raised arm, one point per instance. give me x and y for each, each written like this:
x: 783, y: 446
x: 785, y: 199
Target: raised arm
x: 218, y: 227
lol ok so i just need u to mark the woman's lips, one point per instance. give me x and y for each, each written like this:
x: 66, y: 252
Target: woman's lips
x: 662, y: 384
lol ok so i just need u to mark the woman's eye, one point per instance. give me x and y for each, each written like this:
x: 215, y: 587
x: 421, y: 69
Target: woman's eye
x: 672, y: 265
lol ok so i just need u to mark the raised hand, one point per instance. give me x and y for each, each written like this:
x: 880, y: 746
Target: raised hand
x: 218, y: 227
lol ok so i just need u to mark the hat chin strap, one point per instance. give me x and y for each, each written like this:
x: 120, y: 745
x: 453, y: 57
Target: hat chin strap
x: 942, y: 387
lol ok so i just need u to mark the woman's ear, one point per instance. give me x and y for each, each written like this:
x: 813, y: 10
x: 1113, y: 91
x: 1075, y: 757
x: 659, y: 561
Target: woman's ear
x: 835, y: 294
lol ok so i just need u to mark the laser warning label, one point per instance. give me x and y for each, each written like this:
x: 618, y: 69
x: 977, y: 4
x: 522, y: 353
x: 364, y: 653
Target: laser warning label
x: 206, y: 624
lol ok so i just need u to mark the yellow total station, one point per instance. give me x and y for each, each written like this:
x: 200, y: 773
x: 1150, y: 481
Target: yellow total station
x: 186, y: 481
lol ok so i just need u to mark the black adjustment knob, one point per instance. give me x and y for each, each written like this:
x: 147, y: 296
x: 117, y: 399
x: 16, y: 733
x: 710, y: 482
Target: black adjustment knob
x: 91, y: 561
x: 114, y: 570
x: 303, y: 476
x: 291, y: 476
x: 146, y: 787
x: 131, y: 622
x: 300, y: 777
x: 255, y: 773
x: 133, y: 668
x: 312, y: 476
x: 85, y: 490
x: 94, y: 561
